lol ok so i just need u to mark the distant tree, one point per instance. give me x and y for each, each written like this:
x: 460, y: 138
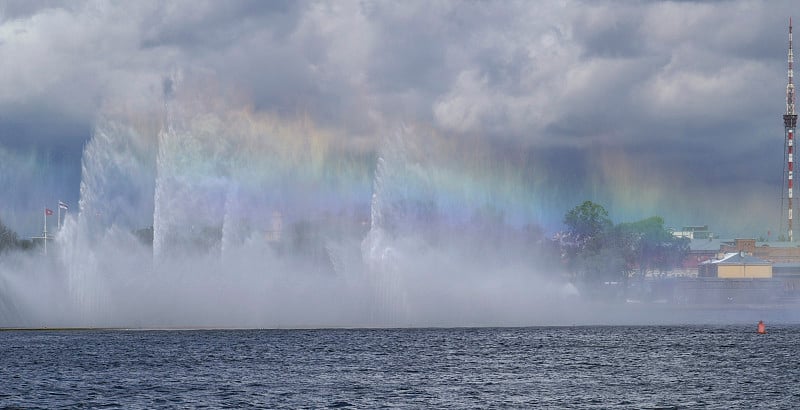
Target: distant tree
x: 588, y: 224
x: 596, y: 251
x: 676, y: 250
x: 25, y: 244
x: 588, y: 244
x: 8, y: 238
x: 648, y: 245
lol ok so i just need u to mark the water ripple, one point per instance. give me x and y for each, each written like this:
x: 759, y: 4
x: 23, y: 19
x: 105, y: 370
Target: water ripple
x: 569, y: 367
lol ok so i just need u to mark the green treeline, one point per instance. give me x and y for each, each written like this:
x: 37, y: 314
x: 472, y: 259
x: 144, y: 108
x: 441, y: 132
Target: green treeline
x: 596, y: 250
x: 10, y: 240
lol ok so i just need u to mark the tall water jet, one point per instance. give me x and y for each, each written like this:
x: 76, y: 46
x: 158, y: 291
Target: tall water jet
x: 234, y: 227
x: 116, y: 195
x: 259, y: 214
x: 192, y: 177
x: 117, y: 175
x: 391, y: 223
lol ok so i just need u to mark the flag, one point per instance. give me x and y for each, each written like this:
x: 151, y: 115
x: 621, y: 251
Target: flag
x: 48, y: 211
x: 62, y: 205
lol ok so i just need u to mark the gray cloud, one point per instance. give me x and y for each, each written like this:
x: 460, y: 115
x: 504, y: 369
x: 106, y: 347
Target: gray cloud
x: 692, y: 91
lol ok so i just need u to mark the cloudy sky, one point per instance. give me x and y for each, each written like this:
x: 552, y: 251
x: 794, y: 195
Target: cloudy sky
x: 650, y: 108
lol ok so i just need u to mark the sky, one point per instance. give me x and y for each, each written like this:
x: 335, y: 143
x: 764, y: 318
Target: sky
x: 648, y: 108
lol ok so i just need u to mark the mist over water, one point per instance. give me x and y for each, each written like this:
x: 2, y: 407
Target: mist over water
x: 262, y: 222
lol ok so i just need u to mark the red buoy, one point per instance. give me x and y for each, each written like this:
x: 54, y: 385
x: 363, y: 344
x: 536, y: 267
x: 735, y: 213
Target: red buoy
x: 761, y: 328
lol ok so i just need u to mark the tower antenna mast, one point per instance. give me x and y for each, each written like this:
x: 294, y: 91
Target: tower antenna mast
x: 789, y: 126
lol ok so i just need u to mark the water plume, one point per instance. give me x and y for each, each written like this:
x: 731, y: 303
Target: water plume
x: 259, y: 221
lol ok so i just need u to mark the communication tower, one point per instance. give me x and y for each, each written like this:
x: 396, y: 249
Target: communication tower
x: 789, y: 127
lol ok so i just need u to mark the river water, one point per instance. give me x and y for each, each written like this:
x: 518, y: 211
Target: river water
x: 653, y: 367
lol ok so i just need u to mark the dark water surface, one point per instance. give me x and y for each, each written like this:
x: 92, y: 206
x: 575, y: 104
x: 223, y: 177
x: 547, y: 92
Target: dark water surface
x: 551, y: 367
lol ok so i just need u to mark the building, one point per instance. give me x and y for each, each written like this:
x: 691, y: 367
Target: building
x: 740, y: 273
x: 775, y: 252
x: 736, y: 265
x: 701, y: 250
x: 734, y: 279
x: 694, y: 232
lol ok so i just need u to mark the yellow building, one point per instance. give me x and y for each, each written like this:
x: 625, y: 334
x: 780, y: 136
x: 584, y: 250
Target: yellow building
x: 736, y: 265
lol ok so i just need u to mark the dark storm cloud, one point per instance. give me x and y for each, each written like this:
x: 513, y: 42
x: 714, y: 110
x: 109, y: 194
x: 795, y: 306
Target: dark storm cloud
x: 674, y: 85
x: 611, y: 33
x: 47, y: 128
x: 482, y: 68
x: 217, y: 25
x: 21, y: 9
